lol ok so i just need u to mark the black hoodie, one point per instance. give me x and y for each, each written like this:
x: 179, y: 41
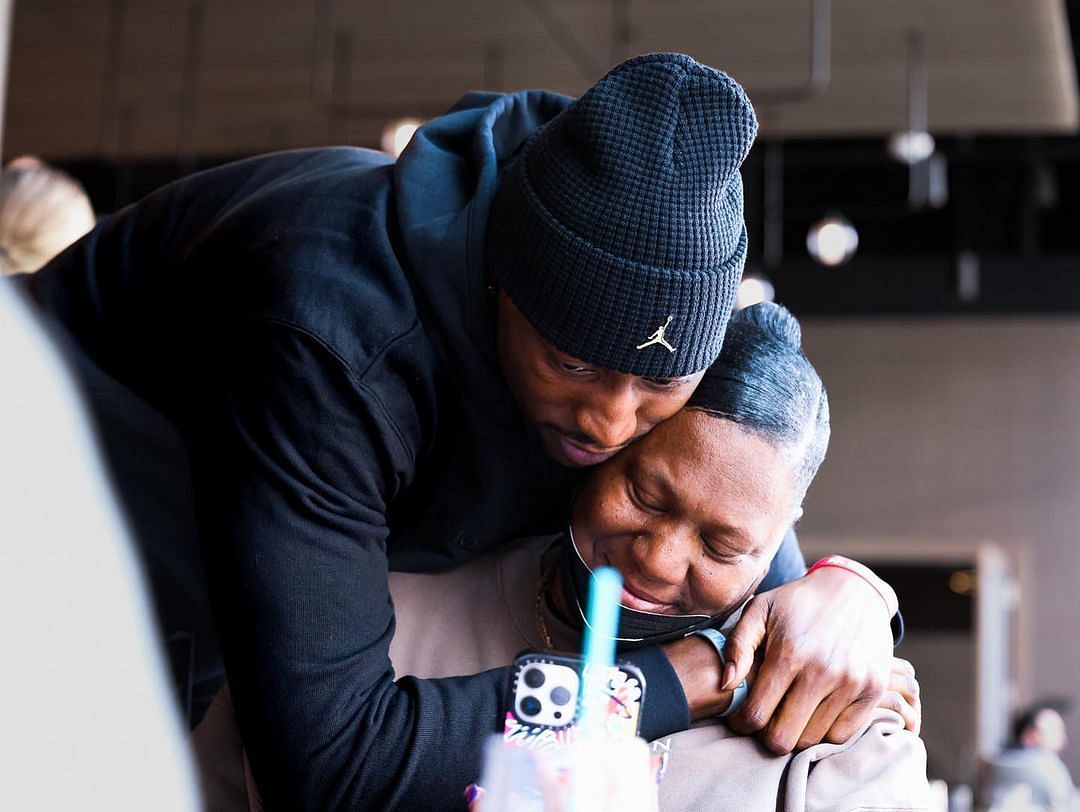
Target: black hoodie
x: 318, y: 326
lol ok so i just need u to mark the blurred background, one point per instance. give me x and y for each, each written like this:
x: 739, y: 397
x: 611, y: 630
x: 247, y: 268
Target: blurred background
x: 913, y: 197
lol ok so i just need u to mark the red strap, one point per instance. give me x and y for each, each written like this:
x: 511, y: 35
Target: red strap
x: 883, y: 589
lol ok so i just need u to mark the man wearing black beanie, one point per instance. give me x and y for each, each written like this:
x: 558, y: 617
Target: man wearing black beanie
x: 404, y: 364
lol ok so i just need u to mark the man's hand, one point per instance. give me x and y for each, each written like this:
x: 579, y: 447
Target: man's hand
x: 825, y: 665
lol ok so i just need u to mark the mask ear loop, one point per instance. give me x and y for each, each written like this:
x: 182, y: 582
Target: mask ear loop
x: 732, y: 620
x: 725, y: 621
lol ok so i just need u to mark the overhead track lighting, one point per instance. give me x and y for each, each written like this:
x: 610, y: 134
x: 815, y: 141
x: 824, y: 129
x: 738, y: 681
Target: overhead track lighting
x: 915, y: 144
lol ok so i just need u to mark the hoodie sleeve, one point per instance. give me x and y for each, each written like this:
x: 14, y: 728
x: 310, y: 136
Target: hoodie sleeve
x: 296, y: 481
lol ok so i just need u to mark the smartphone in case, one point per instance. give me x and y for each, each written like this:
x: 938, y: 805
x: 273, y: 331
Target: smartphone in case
x: 546, y: 693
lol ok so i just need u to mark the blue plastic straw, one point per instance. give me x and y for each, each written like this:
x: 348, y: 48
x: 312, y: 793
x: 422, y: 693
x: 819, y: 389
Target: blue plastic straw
x: 601, y: 626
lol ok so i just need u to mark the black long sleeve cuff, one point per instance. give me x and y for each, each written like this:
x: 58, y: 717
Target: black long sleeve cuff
x: 664, y: 710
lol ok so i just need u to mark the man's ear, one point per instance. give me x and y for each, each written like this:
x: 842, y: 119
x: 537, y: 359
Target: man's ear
x: 798, y: 515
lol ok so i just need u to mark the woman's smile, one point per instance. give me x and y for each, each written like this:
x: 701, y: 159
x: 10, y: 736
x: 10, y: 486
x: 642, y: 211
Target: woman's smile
x: 637, y: 597
x: 633, y: 597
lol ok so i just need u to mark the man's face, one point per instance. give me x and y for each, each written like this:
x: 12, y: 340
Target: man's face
x: 584, y: 414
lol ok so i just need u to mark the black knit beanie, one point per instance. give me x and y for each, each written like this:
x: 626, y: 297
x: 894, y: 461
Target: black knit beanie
x: 618, y: 232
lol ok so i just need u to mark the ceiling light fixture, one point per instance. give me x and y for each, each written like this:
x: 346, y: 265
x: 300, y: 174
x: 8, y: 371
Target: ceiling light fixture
x: 832, y: 240
x: 911, y: 146
x: 915, y: 144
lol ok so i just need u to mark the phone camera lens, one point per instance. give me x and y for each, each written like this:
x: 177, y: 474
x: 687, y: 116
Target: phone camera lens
x: 560, y: 695
x: 534, y: 678
x: 530, y: 706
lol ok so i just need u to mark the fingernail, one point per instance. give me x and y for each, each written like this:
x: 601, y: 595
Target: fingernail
x: 471, y: 793
x: 729, y: 677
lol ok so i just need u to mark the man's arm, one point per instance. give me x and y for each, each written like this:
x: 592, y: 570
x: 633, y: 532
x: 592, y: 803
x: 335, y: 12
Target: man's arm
x: 296, y: 463
x: 294, y: 483
x: 295, y: 487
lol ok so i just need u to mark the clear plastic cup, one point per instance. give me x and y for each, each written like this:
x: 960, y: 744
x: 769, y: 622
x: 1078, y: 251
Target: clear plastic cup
x: 594, y: 775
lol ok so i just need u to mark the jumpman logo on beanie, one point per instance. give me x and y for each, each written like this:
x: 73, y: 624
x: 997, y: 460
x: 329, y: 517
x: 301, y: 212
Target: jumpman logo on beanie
x: 658, y: 337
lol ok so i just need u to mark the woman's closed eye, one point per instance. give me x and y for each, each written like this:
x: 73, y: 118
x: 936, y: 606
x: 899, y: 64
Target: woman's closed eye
x: 720, y: 549
x: 644, y: 500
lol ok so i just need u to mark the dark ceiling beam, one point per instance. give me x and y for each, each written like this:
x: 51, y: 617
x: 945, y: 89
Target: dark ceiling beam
x: 928, y: 286
x: 858, y: 152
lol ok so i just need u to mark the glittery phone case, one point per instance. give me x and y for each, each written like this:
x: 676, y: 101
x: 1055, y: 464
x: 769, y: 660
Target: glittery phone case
x: 546, y: 713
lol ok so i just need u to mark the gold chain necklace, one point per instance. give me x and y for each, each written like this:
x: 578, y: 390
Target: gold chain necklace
x: 538, y: 611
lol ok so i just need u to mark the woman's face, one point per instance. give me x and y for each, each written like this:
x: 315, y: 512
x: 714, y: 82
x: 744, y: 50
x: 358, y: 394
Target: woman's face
x: 691, y: 514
